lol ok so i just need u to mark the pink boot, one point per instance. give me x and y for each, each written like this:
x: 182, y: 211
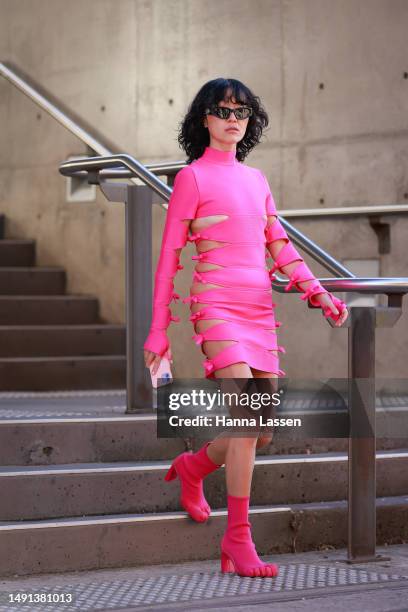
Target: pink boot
x: 191, y: 469
x: 238, y: 551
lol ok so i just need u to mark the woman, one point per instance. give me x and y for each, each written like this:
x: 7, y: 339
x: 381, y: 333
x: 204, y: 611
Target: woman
x: 230, y: 210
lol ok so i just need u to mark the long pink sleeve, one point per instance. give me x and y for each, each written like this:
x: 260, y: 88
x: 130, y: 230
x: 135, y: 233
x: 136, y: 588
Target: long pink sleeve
x: 182, y: 205
x: 289, y: 254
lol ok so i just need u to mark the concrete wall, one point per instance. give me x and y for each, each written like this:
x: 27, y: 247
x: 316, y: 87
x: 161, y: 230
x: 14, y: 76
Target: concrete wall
x: 331, y: 75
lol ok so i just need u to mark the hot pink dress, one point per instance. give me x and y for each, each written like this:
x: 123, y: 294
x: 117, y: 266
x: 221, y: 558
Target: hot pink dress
x: 218, y: 184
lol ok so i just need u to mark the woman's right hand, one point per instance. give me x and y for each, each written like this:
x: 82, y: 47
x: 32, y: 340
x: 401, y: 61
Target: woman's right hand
x: 152, y: 359
x: 155, y: 359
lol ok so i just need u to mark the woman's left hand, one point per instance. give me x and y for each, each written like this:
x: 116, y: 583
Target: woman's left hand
x: 326, y: 301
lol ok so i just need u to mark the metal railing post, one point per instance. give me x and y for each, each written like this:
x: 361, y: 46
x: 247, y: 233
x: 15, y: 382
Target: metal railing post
x: 362, y: 437
x: 138, y: 245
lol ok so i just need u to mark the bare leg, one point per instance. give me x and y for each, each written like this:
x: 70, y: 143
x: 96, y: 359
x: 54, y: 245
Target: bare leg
x: 238, y: 453
x: 217, y: 449
x: 238, y: 552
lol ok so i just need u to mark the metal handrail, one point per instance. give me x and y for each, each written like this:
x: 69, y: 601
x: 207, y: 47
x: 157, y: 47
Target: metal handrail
x: 72, y: 125
x: 347, y: 282
x: 345, y: 211
x: 94, y: 164
x: 54, y: 111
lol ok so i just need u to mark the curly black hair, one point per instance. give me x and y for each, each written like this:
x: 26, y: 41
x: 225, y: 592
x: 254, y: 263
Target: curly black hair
x: 193, y: 137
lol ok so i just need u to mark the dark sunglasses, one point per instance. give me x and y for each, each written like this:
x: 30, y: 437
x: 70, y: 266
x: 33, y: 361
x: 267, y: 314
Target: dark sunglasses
x: 222, y: 112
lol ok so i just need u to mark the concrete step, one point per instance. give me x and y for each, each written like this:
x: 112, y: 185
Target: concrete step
x: 62, y: 340
x: 32, y: 281
x: 83, y: 543
x: 84, y: 438
x: 14, y: 252
x: 31, y: 493
x: 48, y: 310
x: 62, y: 373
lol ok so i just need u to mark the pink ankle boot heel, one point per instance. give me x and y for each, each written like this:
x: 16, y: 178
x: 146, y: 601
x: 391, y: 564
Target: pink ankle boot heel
x: 238, y: 552
x: 191, y: 468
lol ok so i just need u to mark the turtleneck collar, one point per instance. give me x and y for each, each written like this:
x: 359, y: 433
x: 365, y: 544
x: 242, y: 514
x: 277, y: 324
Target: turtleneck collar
x: 219, y: 157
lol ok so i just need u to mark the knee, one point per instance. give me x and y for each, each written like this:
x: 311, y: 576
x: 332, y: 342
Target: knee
x: 242, y: 440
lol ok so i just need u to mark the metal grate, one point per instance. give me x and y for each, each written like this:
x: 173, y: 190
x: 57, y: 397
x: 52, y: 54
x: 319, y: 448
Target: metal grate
x: 32, y: 405
x: 29, y: 405
x: 167, y: 589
